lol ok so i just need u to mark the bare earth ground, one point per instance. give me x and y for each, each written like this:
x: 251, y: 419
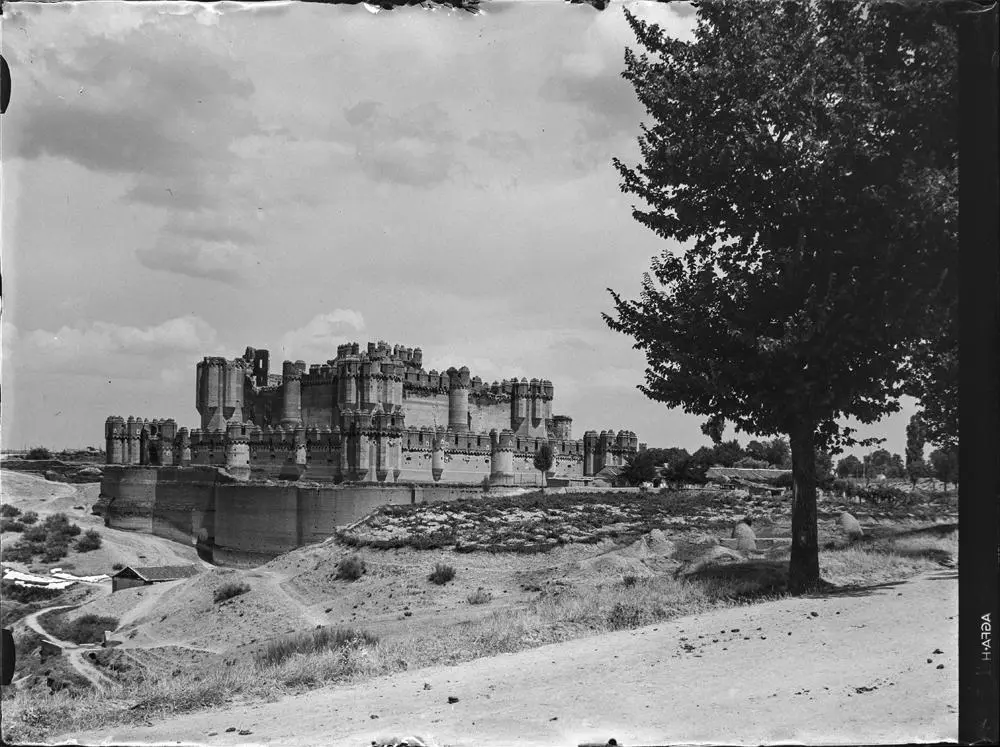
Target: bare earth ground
x: 645, y: 685
x: 857, y: 672
x: 31, y: 492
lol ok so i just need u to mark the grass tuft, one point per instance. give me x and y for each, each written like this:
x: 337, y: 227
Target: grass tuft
x: 351, y: 569
x: 229, y: 590
x: 441, y: 574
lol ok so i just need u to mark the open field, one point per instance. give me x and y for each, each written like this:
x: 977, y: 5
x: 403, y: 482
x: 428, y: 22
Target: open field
x: 182, y: 652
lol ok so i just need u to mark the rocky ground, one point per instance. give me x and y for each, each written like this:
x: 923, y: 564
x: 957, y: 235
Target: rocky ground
x: 497, y: 601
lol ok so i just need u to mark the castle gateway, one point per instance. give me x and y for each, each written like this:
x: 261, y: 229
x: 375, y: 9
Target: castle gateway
x: 367, y: 416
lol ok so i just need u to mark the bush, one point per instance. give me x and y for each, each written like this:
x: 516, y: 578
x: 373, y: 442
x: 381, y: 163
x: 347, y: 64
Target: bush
x: 117, y: 566
x: 351, y: 569
x: 441, y: 574
x: 85, y: 629
x: 91, y: 540
x: 314, y: 641
x: 479, y: 596
x: 11, y: 525
x: 55, y: 548
x: 60, y: 525
x: 630, y: 580
x: 8, y: 511
x: 39, y: 452
x: 26, y: 594
x: 21, y: 552
x: 35, y: 534
x: 230, y: 590
x: 29, y: 517
x: 784, y: 481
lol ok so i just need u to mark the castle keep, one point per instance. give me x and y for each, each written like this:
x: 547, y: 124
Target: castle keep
x: 369, y: 415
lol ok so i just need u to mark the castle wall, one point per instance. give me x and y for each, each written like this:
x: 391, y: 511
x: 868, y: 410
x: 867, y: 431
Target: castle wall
x: 318, y: 404
x: 486, y: 417
x: 427, y: 412
x: 246, y: 524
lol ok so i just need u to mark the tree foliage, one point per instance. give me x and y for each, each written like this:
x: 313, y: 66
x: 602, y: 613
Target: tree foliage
x: 544, y: 459
x: 944, y: 464
x: 803, y: 160
x: 850, y: 466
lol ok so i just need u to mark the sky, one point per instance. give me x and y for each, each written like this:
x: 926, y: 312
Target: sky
x: 184, y: 180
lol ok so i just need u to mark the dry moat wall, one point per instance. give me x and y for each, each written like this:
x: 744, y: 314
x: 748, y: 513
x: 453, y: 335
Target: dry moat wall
x: 245, y: 523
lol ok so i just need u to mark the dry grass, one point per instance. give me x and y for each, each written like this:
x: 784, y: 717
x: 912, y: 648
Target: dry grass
x: 558, y: 613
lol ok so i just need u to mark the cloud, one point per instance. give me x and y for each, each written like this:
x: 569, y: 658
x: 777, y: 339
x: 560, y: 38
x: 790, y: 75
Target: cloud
x: 503, y: 145
x: 317, y: 341
x: 222, y: 260
x: 414, y: 148
x: 102, y: 346
x: 162, y: 108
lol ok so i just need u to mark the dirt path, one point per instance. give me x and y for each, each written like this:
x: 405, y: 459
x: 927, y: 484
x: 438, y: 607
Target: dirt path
x: 850, y: 668
x: 73, y: 653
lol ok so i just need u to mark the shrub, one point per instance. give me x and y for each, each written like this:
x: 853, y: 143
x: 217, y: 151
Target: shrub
x: 630, y: 580
x: 351, y: 569
x: 91, y: 540
x: 27, y: 594
x: 84, y: 629
x: 10, y: 525
x: 55, y: 548
x: 624, y: 616
x: 441, y: 574
x: 21, y: 552
x: 784, y: 481
x: 59, y: 524
x: 9, y: 511
x: 29, y: 517
x: 35, y: 534
x: 230, y: 590
x: 117, y: 566
x: 313, y: 641
x: 479, y: 596
x: 39, y: 452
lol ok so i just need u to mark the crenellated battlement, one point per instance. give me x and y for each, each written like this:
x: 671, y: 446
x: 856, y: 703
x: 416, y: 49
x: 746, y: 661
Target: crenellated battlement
x: 372, y: 413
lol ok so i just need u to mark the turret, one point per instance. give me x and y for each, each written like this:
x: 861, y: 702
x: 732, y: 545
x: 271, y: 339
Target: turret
x: 562, y: 427
x: 237, y: 452
x: 589, y: 451
x: 184, y: 442
x: 114, y: 440
x: 501, y: 457
x: 291, y: 391
x: 458, y: 399
x: 219, y: 392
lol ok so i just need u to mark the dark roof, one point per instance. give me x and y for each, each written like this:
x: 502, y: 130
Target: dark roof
x: 160, y: 572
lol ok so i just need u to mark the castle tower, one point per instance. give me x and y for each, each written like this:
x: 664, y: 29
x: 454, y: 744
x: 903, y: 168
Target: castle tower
x: 168, y: 433
x: 589, y: 453
x: 458, y: 399
x: 501, y: 457
x: 237, y: 452
x: 219, y: 392
x: 184, y: 443
x: 114, y: 440
x: 562, y: 428
x: 519, y: 410
x: 291, y: 391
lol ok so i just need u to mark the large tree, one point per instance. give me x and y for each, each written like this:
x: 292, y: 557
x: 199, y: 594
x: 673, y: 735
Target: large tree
x: 802, y: 159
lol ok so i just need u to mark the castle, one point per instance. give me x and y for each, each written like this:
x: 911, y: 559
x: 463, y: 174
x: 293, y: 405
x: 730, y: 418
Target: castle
x: 368, y: 416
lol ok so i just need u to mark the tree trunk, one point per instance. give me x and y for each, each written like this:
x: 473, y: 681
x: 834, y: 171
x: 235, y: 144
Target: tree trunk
x: 803, y: 570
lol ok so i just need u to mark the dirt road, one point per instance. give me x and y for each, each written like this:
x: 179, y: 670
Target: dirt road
x: 73, y: 653
x: 873, y: 666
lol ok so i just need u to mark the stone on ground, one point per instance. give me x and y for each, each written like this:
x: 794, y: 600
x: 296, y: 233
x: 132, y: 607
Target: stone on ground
x: 850, y: 526
x: 746, y: 540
